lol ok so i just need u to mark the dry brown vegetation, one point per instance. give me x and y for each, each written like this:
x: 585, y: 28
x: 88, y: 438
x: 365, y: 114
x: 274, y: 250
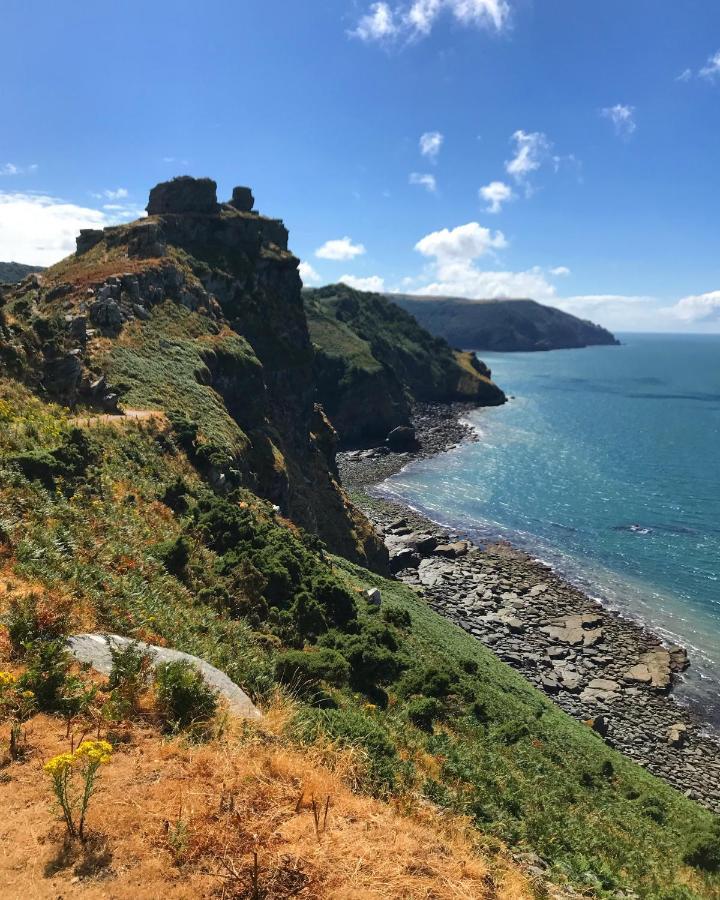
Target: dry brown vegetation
x: 187, y: 821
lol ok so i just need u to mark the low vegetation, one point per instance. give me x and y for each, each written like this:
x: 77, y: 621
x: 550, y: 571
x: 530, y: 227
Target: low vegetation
x: 128, y: 537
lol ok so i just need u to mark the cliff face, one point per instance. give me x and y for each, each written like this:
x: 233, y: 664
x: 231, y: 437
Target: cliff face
x: 195, y: 311
x: 373, y: 360
x: 503, y: 325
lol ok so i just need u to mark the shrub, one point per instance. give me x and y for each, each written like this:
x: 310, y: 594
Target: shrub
x: 430, y: 681
x: 300, y: 668
x: 400, y: 618
x: 30, y: 619
x: 185, y: 700
x: 48, y: 666
x: 422, y: 711
x: 704, y: 852
x: 173, y: 554
x: 129, y: 676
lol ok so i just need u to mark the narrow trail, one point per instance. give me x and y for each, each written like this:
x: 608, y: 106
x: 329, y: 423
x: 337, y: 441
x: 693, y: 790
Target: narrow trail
x: 124, y: 418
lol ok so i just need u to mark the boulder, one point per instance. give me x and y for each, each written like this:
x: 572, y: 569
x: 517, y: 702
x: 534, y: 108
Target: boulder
x: 242, y: 199
x: 654, y: 669
x: 406, y: 558
x: 452, y: 551
x: 87, y: 239
x: 183, y: 195
x: 374, y: 597
x: 677, y: 735
x: 402, y: 438
x: 599, y: 724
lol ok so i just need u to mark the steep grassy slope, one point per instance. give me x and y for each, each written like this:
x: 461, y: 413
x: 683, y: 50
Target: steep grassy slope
x: 502, y: 325
x: 117, y: 527
x: 373, y: 359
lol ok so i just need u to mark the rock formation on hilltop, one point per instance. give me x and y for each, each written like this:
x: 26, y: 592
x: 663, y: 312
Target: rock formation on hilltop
x: 502, y: 325
x: 195, y: 311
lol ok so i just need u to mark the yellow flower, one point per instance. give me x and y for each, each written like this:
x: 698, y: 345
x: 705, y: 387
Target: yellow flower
x: 6, y: 679
x: 58, y: 765
x: 28, y: 695
x: 95, y: 751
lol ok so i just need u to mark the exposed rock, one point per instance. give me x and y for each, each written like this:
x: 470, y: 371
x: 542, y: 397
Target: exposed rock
x: 87, y: 239
x: 242, y: 199
x: 374, y: 596
x: 401, y: 438
x: 452, y: 551
x: 406, y: 558
x: 599, y: 724
x: 677, y: 734
x: 654, y: 669
x: 183, y: 195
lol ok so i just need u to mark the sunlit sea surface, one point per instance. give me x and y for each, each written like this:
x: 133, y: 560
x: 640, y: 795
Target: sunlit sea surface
x: 606, y: 464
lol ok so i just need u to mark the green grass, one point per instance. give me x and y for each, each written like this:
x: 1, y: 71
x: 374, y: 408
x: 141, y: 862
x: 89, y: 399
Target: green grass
x: 137, y: 544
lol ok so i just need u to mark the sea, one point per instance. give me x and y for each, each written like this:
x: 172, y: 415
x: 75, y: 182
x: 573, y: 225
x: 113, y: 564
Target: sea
x: 605, y: 463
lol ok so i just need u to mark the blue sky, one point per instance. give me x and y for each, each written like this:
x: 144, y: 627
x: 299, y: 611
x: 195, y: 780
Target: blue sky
x: 560, y: 149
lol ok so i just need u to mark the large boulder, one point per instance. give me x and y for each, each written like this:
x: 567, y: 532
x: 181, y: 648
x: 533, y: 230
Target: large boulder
x: 183, y: 195
x: 402, y: 438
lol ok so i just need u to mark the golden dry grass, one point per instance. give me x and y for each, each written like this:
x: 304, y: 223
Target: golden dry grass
x: 186, y: 821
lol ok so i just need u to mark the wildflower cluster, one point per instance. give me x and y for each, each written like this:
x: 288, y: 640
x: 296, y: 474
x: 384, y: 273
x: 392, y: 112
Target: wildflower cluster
x: 73, y: 778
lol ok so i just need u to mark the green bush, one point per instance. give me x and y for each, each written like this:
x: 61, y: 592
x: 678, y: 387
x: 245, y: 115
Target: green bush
x: 129, y: 677
x: 704, y: 853
x: 430, y: 681
x: 185, y: 701
x: 173, y: 554
x: 300, y: 668
x: 48, y: 668
x: 422, y: 712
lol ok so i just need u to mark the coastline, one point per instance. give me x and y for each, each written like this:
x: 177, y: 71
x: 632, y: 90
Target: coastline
x: 599, y: 666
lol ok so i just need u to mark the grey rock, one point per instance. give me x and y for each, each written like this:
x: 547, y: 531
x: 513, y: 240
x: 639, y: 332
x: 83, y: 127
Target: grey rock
x: 242, y: 199
x: 374, y: 597
x: 94, y: 650
x: 183, y: 195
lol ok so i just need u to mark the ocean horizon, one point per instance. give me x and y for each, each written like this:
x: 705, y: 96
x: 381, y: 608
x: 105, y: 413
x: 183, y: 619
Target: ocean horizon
x: 604, y: 464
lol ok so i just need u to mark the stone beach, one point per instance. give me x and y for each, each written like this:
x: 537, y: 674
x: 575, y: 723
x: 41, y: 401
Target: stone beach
x: 598, y: 666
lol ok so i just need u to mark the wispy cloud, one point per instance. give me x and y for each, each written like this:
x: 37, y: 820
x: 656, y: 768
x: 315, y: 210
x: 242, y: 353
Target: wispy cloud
x: 424, y: 180
x: 117, y: 194
x: 430, y: 144
x: 622, y: 118
x: 531, y: 150
x: 711, y: 69
x: 386, y: 23
x: 495, y: 194
x: 10, y: 169
x: 339, y: 249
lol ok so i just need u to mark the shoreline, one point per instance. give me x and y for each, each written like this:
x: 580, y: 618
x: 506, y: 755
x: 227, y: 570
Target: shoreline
x: 599, y: 666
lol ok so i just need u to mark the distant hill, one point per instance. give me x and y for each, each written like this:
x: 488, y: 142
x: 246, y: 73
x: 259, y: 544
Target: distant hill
x: 10, y: 272
x: 502, y: 325
x: 373, y: 359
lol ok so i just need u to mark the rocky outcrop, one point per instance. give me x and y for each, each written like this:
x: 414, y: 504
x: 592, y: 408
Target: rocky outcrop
x: 502, y: 325
x: 183, y: 195
x: 197, y: 311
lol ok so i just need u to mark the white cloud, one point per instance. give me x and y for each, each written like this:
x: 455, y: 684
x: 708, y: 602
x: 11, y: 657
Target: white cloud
x: 464, y: 243
x: 711, y: 69
x: 560, y: 271
x: 424, y: 180
x: 685, y: 75
x: 308, y: 275
x: 430, y: 144
x: 495, y: 194
x: 413, y: 20
x: 377, y: 25
x: 117, y: 194
x: 531, y: 150
x: 11, y: 169
x: 371, y: 283
x: 341, y: 248
x: 622, y: 118
x: 40, y: 229
x: 698, y: 308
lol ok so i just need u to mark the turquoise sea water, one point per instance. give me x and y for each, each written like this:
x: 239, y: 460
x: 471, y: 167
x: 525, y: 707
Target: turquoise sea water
x: 606, y: 465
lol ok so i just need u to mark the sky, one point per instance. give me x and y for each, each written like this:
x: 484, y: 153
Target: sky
x: 564, y: 150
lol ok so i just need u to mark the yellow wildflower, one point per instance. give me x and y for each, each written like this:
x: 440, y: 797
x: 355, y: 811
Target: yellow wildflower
x: 95, y: 751
x: 58, y: 765
x: 6, y: 679
x: 28, y: 695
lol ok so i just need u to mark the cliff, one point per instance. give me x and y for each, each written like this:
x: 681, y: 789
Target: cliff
x: 502, y: 325
x: 373, y: 360
x: 195, y: 311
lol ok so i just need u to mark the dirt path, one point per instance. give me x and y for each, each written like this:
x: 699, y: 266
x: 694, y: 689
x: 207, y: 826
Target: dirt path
x: 130, y: 415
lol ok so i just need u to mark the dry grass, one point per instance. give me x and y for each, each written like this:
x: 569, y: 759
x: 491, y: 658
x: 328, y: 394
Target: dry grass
x: 187, y: 821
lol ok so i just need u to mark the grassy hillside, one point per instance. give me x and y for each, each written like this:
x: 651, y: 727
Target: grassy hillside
x: 502, y: 325
x: 12, y: 271
x: 373, y: 360
x: 114, y: 528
